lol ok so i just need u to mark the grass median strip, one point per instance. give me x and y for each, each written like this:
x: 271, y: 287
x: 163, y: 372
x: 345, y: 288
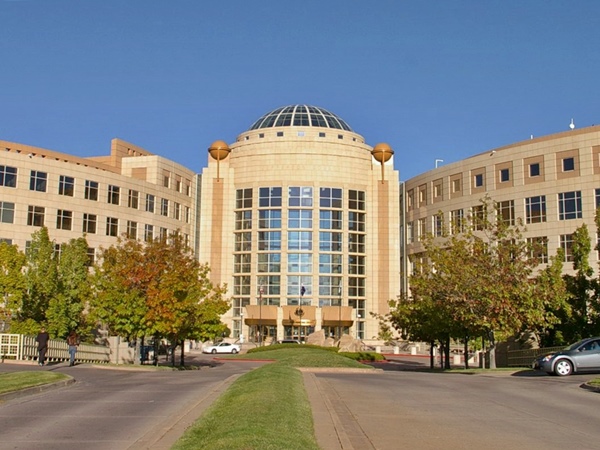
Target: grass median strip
x: 15, y: 381
x: 265, y: 409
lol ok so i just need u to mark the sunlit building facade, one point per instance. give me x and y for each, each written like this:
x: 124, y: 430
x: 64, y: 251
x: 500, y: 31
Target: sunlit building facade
x: 551, y: 183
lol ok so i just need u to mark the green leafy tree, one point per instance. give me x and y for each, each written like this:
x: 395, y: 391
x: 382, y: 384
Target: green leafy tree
x: 41, y: 279
x: 66, y: 310
x: 479, y: 281
x: 12, y: 283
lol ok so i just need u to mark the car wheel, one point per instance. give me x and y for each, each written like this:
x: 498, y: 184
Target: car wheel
x: 563, y: 368
x: 234, y: 351
x: 214, y: 350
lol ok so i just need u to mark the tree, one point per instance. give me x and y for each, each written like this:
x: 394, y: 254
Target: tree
x: 41, y: 280
x: 66, y: 309
x: 479, y: 282
x: 158, y: 289
x: 12, y: 283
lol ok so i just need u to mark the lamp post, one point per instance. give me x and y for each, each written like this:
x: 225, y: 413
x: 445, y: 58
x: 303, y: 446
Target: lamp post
x: 260, y: 294
x: 340, y: 312
x: 242, y: 327
x: 300, y: 312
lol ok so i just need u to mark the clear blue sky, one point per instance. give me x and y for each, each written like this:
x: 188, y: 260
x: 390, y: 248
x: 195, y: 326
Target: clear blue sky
x: 436, y: 80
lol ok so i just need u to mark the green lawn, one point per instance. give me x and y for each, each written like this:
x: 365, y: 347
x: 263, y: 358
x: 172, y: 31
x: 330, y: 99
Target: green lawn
x: 266, y: 409
x: 15, y: 381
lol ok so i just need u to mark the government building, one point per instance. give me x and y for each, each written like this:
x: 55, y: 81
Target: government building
x: 308, y: 226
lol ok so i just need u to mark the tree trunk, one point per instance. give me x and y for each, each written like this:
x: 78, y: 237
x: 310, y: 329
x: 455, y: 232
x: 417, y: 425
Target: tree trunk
x: 466, y: 352
x: 492, y: 351
x: 447, y: 351
x: 431, y: 355
x: 182, y: 358
x: 138, y: 351
x: 442, y: 354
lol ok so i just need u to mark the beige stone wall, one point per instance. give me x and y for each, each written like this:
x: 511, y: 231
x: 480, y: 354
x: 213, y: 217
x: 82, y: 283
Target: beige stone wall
x: 117, y: 170
x: 582, y: 145
x: 301, y: 157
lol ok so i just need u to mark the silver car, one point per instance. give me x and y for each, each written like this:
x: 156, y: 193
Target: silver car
x: 582, y: 356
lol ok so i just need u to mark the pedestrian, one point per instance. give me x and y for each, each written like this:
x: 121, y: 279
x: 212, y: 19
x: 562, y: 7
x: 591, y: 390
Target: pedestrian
x: 73, y: 342
x: 42, y: 339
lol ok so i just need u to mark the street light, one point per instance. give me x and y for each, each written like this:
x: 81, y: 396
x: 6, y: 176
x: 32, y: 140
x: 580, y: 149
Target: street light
x: 300, y: 312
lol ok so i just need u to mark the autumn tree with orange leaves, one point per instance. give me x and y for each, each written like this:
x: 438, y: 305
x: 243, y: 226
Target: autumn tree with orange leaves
x: 157, y: 289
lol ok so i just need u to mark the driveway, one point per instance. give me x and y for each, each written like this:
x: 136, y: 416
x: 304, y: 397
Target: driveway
x: 396, y: 410
x: 112, y: 409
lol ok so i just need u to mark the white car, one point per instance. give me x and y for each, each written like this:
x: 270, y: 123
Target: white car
x: 223, y: 347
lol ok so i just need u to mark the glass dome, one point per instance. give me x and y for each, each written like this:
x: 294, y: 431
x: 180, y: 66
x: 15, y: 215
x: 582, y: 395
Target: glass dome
x: 300, y: 116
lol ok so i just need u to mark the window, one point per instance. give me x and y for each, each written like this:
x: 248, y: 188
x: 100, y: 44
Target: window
x: 299, y: 240
x: 356, y: 221
x: 64, y: 219
x: 177, y: 208
x: 8, y: 176
x: 243, y: 220
x: 150, y: 203
x: 568, y: 164
x: 113, y: 194
x: 269, y: 197
x: 186, y: 214
x: 37, y: 181
x: 478, y: 180
x: 437, y: 190
x: 279, y: 133
x: 164, y: 207
x: 178, y: 184
x: 163, y: 234
x: 243, y: 242
x: 330, y: 241
x: 7, y: 212
x: 457, y: 221
x: 300, y: 196
x: 166, y: 180
x: 597, y: 192
x: 91, y: 190
x: 410, y: 236
x: 331, y: 287
x: 535, y: 209
x: 534, y: 170
x: 91, y: 254
x: 356, y: 200
x: 89, y: 223
x: 356, y: 243
x: 504, y: 175
x: 297, y: 263
x: 242, y: 263
x: 479, y: 217
x: 566, y: 243
x: 112, y: 226
x: 300, y: 218
x: 330, y: 263
x: 456, y: 185
x: 243, y: 198
x: 421, y: 228
x: 438, y: 225
x: 330, y: 220
x: 356, y: 264
x: 330, y: 198
x: 269, y: 218
x: 356, y: 287
x: 295, y: 283
x: 131, y: 229
x: 538, y: 249
x: 506, y: 212
x: 66, y: 185
x: 269, y: 262
x: 269, y: 240
x: 148, y: 233
x: 35, y: 216
x: 133, y: 199
x: 569, y: 205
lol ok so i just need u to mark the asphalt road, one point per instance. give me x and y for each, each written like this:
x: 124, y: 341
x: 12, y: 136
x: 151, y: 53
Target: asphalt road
x: 396, y: 410
x: 112, y: 409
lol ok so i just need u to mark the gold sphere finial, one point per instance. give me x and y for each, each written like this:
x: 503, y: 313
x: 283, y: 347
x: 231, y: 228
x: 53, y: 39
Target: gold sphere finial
x: 219, y: 150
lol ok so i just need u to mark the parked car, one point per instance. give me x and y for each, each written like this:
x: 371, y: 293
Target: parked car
x: 582, y: 356
x: 288, y: 341
x: 223, y: 347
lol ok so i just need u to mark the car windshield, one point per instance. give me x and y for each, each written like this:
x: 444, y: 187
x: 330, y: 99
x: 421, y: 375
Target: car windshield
x: 575, y: 345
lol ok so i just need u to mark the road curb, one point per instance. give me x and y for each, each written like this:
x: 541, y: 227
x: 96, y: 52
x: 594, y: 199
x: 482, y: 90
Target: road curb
x: 589, y: 387
x: 36, y: 389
